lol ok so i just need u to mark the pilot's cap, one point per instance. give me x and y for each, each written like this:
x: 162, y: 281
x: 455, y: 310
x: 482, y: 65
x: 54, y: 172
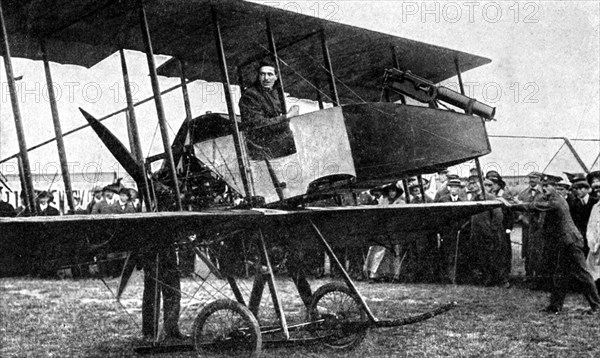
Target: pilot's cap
x: 535, y: 175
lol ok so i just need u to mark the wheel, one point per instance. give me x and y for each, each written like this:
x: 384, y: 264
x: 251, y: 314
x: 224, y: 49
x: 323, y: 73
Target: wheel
x: 336, y: 304
x: 226, y: 327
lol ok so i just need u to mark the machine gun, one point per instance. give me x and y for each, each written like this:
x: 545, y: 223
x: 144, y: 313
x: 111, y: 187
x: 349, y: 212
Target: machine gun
x: 422, y: 90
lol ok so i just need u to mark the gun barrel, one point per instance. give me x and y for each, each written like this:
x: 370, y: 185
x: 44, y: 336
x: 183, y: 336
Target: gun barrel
x: 470, y: 105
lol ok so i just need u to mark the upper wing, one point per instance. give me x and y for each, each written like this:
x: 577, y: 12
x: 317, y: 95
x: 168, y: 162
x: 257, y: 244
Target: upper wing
x: 341, y: 226
x: 86, y: 31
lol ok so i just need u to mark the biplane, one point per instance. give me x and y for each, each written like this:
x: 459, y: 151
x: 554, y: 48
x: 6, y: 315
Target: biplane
x: 354, y: 142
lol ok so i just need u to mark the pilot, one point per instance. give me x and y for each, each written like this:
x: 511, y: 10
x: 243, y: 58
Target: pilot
x: 261, y: 111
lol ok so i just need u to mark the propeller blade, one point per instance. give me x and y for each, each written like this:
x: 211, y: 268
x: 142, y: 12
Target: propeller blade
x: 116, y: 148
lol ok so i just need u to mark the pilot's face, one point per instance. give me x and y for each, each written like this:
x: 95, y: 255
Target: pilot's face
x: 267, y: 76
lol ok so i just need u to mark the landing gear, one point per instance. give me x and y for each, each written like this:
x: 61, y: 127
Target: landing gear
x: 339, y: 310
x: 227, y: 328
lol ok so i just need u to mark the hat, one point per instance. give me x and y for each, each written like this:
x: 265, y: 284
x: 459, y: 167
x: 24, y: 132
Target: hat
x: 455, y: 182
x: 386, y: 189
x: 563, y: 184
x: 111, y: 187
x: 548, y: 179
x: 495, y: 178
x: 573, y: 177
x: 44, y: 194
x: 593, y: 175
x: 452, y: 176
x: 126, y: 192
x: 264, y: 63
x: 443, y: 171
x: 96, y: 189
x: 474, y: 177
x: 535, y: 174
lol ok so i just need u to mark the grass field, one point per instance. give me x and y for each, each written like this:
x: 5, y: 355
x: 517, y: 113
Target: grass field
x: 66, y: 318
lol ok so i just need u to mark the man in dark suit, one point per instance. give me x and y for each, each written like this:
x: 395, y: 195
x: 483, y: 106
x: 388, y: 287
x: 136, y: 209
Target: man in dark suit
x: 580, y: 206
x: 487, y: 235
x: 6, y: 209
x: 531, y: 226
x: 571, y: 268
x: 97, y: 196
x: 449, y: 235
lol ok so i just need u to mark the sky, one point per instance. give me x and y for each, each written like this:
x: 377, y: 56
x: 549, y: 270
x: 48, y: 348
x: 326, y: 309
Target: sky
x: 544, y: 76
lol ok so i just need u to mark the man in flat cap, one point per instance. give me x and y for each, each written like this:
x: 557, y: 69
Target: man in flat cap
x: 581, y: 205
x: 531, y: 225
x: 560, y: 230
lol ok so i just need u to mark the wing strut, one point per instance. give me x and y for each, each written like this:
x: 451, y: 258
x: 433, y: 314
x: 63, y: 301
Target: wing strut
x: 345, y: 275
x: 229, y: 99
x: 62, y: 154
x: 28, y: 188
x: 162, y: 121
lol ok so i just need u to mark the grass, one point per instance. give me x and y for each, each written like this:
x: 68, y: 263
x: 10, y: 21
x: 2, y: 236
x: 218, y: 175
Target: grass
x: 67, y: 318
x: 54, y: 318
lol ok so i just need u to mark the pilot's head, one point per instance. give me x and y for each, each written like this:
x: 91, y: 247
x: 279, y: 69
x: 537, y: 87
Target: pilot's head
x: 266, y: 74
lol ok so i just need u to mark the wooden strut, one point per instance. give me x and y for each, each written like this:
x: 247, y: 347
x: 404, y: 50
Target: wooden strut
x: 62, y: 154
x: 329, y: 68
x: 345, y: 275
x: 229, y: 99
x: 135, y: 143
x: 28, y: 188
x: 162, y: 121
